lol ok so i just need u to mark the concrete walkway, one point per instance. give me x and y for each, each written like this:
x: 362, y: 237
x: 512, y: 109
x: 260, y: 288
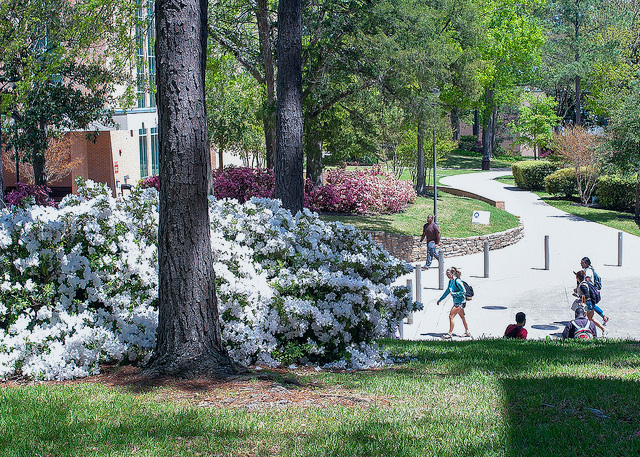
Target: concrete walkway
x: 517, y: 279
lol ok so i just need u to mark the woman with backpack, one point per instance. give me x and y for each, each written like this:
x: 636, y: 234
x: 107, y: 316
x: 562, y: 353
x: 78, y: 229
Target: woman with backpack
x: 584, y: 296
x: 591, y: 276
x: 458, y: 293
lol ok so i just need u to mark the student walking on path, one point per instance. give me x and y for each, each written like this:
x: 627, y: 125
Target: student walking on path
x: 591, y: 276
x: 457, y: 291
x: 431, y: 232
x: 584, y: 297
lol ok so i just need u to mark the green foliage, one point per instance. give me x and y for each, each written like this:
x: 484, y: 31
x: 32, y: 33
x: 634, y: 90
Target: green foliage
x: 536, y: 121
x: 616, y: 192
x: 530, y: 174
x: 470, y: 143
x: 561, y: 182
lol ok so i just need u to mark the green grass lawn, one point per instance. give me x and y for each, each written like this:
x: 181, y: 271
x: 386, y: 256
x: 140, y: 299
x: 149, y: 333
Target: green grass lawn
x: 475, y: 398
x: 616, y: 219
x: 454, y: 218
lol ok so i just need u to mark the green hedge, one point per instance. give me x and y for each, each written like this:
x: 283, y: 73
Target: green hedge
x: 530, y: 174
x: 562, y: 182
x: 615, y: 192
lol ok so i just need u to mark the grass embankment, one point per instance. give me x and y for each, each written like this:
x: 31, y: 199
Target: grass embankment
x: 476, y: 398
x: 616, y: 219
x: 454, y: 218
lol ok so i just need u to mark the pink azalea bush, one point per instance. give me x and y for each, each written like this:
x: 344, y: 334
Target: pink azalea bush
x: 29, y: 194
x: 370, y: 190
x: 149, y: 182
x: 243, y: 183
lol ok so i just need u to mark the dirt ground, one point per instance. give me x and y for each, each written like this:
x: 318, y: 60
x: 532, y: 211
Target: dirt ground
x: 276, y: 388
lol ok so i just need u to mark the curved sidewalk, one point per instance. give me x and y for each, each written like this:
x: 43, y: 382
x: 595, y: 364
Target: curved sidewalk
x: 517, y: 279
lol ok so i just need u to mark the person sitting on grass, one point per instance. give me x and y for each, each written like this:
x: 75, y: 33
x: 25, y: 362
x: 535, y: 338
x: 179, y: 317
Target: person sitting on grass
x: 517, y: 330
x: 581, y: 327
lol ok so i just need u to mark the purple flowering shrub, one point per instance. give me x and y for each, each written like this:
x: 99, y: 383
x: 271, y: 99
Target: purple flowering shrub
x: 29, y: 194
x: 150, y: 181
x: 370, y: 190
x: 243, y: 183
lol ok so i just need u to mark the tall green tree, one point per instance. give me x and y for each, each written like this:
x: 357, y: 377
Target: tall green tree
x: 510, y: 52
x: 580, y: 50
x: 624, y: 130
x: 536, y: 121
x: 233, y: 106
x: 66, y: 59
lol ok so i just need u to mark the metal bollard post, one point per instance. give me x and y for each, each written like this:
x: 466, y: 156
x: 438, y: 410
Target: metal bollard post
x: 419, y: 284
x: 410, y: 287
x: 546, y: 252
x: 486, y: 259
x: 619, y: 249
x: 440, y: 270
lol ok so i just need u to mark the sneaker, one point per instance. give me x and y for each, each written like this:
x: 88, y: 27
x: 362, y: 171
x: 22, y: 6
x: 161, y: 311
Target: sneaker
x: 467, y: 334
x: 447, y: 336
x: 605, y: 319
x: 425, y: 268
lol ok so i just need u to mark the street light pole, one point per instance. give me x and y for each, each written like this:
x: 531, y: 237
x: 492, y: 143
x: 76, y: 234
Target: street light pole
x: 435, y: 183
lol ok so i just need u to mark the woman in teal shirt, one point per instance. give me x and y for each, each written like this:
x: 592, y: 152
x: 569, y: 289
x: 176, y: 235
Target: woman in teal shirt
x: 457, y: 291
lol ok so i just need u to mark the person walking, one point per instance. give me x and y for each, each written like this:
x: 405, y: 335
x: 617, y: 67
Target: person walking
x: 517, y: 330
x: 457, y: 291
x: 584, y: 297
x: 431, y: 232
x: 591, y: 276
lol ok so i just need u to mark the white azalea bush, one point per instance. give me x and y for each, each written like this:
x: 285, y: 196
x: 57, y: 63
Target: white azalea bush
x: 78, y: 285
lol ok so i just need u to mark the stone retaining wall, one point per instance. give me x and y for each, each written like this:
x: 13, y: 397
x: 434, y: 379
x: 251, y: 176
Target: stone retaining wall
x: 410, y: 248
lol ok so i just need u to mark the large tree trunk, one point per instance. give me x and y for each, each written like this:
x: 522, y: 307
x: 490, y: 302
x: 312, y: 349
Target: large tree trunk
x: 188, y: 335
x: 578, y: 102
x: 289, y: 124
x: 476, y: 123
x: 268, y: 119
x: 313, y: 149
x: 487, y: 129
x: 421, y: 181
x: 220, y: 156
x: 455, y: 124
x: 637, y: 211
x: 37, y: 161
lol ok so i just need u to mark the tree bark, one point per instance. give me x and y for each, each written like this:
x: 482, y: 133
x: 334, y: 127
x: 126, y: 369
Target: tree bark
x: 220, y: 156
x: 487, y: 127
x: 476, y: 123
x: 188, y: 337
x: 578, y: 102
x: 421, y: 181
x: 455, y: 124
x: 268, y: 119
x: 289, y: 124
x: 313, y: 149
x: 37, y: 161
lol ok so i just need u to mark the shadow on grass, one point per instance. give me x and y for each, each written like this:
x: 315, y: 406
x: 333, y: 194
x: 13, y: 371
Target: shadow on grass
x: 572, y: 416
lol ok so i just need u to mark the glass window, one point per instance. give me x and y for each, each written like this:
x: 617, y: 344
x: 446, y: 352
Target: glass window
x: 151, y: 55
x: 144, y: 161
x: 155, y: 158
x: 140, y: 59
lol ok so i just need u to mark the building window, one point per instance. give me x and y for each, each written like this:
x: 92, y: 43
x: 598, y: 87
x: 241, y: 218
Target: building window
x: 151, y: 54
x: 155, y: 158
x: 140, y: 58
x: 144, y: 162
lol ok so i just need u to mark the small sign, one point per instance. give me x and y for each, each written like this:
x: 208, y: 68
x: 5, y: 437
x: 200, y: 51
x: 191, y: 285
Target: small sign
x: 115, y: 167
x: 480, y: 217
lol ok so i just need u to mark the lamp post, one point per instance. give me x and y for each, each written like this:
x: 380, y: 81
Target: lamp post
x: 436, y: 94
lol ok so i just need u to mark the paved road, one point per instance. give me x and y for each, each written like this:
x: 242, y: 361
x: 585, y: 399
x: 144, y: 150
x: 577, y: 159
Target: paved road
x: 517, y: 278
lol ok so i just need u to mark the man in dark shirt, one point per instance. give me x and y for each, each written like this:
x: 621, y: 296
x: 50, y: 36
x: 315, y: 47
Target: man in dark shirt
x: 517, y: 330
x: 581, y: 322
x: 431, y: 232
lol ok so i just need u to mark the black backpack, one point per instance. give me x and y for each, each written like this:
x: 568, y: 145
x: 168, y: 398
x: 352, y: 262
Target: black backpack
x: 468, y: 290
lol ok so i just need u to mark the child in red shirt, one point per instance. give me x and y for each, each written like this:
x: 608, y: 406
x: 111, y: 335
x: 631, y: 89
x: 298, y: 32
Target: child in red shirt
x: 517, y: 330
